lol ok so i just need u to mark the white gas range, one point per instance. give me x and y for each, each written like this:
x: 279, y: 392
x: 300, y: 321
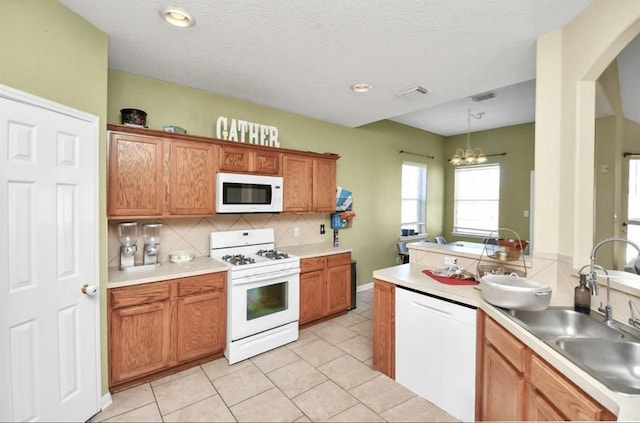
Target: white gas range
x: 263, y: 292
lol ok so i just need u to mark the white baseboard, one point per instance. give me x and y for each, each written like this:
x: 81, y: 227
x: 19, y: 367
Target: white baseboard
x: 364, y: 287
x: 106, y: 401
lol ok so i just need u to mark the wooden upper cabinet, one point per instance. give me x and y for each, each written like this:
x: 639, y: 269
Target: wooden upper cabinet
x: 157, y: 174
x: 297, y: 173
x: 154, y: 176
x: 235, y: 159
x: 245, y: 160
x: 309, y: 183
x: 268, y: 162
x: 191, y: 188
x: 136, y: 175
x: 324, y: 185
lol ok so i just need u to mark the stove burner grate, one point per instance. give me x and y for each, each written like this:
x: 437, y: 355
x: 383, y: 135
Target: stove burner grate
x: 238, y: 259
x: 272, y: 254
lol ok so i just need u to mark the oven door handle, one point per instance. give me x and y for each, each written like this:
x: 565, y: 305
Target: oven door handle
x: 265, y: 276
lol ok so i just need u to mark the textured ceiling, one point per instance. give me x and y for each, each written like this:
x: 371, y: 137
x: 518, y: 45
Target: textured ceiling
x: 302, y: 56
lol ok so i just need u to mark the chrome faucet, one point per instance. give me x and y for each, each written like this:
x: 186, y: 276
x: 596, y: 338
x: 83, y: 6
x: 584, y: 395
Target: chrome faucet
x: 633, y: 320
x: 593, y: 276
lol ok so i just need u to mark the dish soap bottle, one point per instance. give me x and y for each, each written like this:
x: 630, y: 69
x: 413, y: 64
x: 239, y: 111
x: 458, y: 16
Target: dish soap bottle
x: 582, y: 297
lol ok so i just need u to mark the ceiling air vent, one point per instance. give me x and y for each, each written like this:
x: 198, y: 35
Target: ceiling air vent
x: 412, y: 93
x: 484, y: 96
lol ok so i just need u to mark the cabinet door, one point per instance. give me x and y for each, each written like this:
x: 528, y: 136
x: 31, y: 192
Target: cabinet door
x: 570, y: 400
x: 297, y: 172
x: 324, y: 185
x: 504, y: 389
x: 201, y: 325
x: 384, y: 326
x: 235, y: 159
x: 541, y: 410
x: 312, y: 296
x: 136, y: 175
x: 191, y: 190
x: 267, y: 162
x: 139, y: 340
x: 338, y: 288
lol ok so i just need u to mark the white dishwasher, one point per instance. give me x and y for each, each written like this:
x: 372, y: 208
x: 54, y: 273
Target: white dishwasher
x: 436, y: 351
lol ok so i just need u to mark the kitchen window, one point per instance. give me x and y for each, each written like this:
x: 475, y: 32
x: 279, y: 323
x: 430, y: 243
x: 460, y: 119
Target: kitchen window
x: 477, y: 200
x: 414, y: 197
x: 633, y: 207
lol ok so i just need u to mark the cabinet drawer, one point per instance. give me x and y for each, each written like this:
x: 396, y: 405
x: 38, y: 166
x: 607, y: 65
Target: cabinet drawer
x: 139, y: 294
x: 509, y: 347
x: 338, y: 259
x: 201, y: 283
x: 568, y: 398
x: 311, y: 264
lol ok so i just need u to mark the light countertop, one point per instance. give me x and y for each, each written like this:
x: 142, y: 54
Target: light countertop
x: 166, y: 270
x: 410, y: 276
x: 202, y: 265
x: 472, y: 250
x: 314, y: 250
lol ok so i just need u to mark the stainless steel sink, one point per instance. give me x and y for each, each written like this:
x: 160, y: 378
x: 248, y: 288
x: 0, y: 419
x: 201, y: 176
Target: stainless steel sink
x: 555, y: 322
x: 609, y: 353
x: 614, y: 363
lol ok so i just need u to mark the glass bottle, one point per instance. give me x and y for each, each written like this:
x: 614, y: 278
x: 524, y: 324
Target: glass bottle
x: 582, y: 297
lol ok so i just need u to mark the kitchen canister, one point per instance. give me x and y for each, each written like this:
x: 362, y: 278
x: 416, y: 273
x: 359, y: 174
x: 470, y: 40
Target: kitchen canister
x: 134, y: 117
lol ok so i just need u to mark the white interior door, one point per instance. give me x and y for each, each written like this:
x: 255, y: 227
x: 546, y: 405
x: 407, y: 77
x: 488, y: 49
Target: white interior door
x: 49, y: 329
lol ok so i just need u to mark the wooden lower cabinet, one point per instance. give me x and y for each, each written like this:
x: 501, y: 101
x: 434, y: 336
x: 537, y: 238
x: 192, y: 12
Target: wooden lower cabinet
x: 140, y: 340
x: 199, y: 332
x: 338, y: 283
x: 312, y: 296
x: 518, y: 385
x: 325, y: 286
x: 160, y: 326
x: 504, y: 389
x: 384, y: 327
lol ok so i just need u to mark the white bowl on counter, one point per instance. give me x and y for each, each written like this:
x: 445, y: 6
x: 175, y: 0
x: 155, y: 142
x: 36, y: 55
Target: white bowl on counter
x: 183, y: 256
x: 512, y: 292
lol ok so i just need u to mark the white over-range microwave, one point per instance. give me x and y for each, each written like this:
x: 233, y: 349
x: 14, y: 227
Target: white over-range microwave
x: 246, y: 193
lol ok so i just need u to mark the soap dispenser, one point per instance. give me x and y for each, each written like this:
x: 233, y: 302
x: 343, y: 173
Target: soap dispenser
x: 582, y: 296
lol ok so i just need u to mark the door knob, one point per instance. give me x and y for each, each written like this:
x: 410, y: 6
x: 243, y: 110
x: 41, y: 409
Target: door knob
x: 89, y: 290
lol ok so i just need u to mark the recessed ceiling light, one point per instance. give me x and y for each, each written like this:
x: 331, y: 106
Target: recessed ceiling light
x: 361, y: 88
x: 177, y: 17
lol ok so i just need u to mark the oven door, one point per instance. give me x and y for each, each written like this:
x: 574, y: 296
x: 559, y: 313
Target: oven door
x: 263, y: 302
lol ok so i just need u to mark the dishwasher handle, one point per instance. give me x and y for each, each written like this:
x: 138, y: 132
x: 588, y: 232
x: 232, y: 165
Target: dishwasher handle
x: 430, y: 308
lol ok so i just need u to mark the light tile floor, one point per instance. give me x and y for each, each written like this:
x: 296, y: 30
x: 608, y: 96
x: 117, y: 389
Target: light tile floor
x: 326, y: 375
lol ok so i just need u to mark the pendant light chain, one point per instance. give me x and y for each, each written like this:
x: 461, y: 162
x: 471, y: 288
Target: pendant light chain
x: 469, y: 156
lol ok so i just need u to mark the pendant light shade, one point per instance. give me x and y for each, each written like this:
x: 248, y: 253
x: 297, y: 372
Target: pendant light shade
x: 469, y: 156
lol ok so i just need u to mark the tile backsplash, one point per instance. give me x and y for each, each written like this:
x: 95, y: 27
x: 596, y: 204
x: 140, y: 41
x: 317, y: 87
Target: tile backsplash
x: 193, y: 233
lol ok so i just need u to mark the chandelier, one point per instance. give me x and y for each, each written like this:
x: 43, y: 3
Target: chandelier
x: 469, y: 156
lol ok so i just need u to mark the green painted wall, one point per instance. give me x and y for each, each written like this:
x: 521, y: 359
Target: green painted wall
x: 369, y: 165
x: 515, y: 169
x: 49, y: 51
x: 62, y: 57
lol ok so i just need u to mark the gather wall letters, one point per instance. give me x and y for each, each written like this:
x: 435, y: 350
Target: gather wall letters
x: 244, y: 131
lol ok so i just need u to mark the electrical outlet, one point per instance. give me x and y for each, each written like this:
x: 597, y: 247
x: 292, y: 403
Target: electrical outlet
x: 296, y: 231
x: 450, y: 261
x: 322, y: 229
